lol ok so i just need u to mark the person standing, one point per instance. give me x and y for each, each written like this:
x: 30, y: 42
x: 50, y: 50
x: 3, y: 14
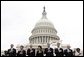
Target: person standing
x: 21, y: 52
x: 58, y: 50
x: 12, y: 51
x: 39, y: 51
x: 48, y: 51
x: 77, y: 52
x: 68, y: 51
x: 31, y: 51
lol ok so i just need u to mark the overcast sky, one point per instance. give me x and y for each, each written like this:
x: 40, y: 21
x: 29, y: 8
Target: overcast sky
x: 18, y: 18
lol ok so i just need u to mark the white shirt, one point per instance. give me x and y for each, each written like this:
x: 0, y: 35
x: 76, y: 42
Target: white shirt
x: 49, y: 50
x: 31, y: 50
x: 68, y: 50
x: 78, y: 54
x: 59, y: 49
x: 21, y: 52
x: 11, y: 50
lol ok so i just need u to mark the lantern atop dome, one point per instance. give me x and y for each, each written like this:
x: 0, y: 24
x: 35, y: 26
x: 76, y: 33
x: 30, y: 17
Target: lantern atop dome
x: 44, y: 13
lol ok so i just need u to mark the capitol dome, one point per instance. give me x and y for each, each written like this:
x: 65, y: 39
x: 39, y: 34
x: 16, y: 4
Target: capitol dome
x: 44, y: 31
x: 44, y: 22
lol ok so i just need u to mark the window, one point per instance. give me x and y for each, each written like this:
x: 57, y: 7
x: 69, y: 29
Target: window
x: 43, y: 39
x: 46, y: 38
x: 46, y: 30
x: 39, y: 30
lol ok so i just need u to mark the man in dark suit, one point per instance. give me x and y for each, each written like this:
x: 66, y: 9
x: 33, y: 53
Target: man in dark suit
x: 21, y: 52
x: 58, y: 50
x: 12, y: 51
x: 48, y: 51
x: 31, y: 51
x: 68, y: 51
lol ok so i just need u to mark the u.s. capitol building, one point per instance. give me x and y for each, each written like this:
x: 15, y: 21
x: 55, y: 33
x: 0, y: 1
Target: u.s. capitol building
x: 44, y: 32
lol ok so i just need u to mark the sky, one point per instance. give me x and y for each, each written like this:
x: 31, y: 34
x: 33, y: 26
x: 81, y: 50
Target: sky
x: 18, y: 18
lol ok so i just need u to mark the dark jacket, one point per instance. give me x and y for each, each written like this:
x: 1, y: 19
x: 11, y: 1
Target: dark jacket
x: 39, y: 54
x: 23, y: 53
x: 31, y: 53
x: 59, y: 53
x: 13, y: 53
x: 48, y: 53
x: 66, y: 53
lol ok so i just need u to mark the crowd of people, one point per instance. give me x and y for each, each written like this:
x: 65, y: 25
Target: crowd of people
x: 40, y: 52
